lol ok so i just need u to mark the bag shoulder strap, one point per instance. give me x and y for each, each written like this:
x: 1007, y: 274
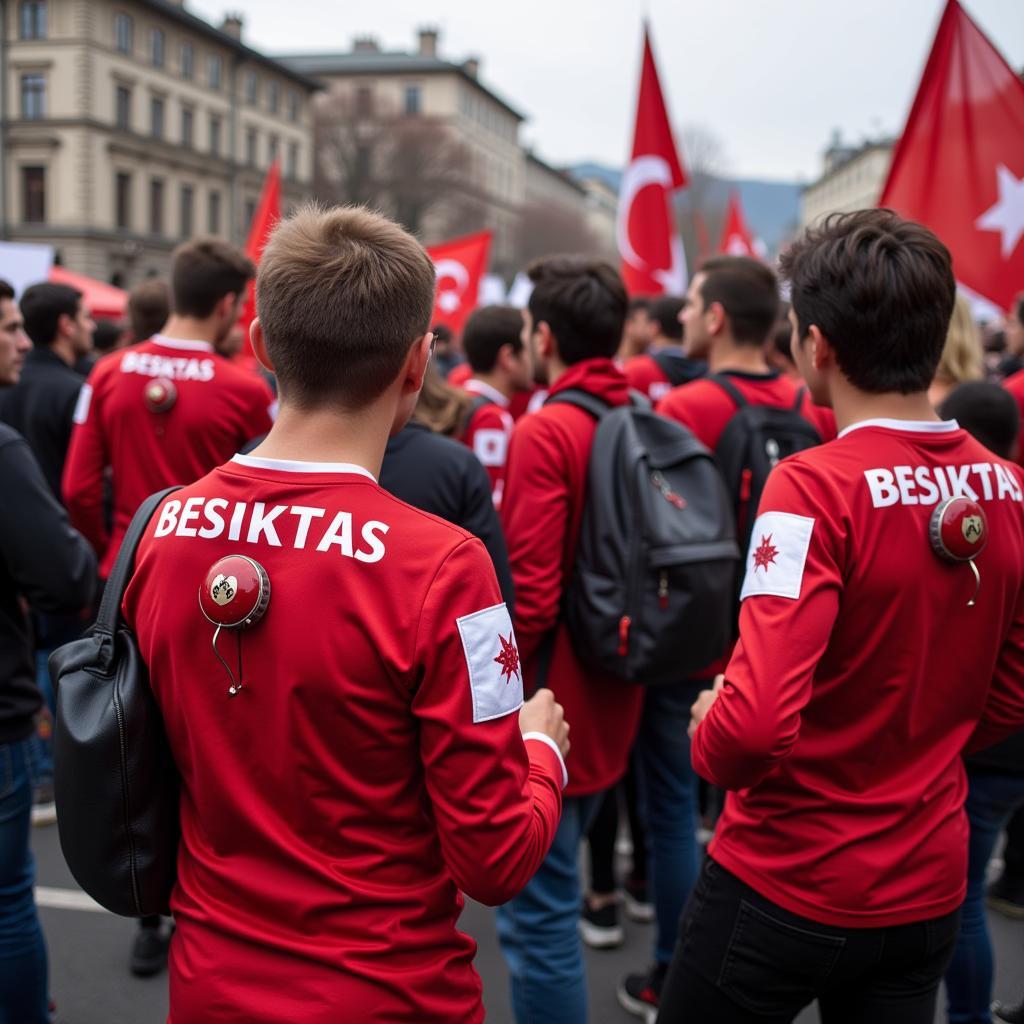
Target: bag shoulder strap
x: 729, y: 388
x: 113, y: 593
x: 800, y: 393
x: 582, y: 400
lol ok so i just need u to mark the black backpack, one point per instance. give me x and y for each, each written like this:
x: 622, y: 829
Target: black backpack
x: 754, y: 441
x: 651, y: 597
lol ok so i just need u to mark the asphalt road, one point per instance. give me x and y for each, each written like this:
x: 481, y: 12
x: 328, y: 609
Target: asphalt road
x: 89, y: 951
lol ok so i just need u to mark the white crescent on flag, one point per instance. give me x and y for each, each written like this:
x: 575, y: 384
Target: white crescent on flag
x: 449, y: 299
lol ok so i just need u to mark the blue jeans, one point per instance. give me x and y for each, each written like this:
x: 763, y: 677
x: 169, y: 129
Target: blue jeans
x: 538, y: 929
x: 44, y: 734
x: 23, y: 971
x: 668, y: 791
x: 991, y: 800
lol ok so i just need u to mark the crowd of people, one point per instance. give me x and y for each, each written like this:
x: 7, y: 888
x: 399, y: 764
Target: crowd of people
x: 812, y: 810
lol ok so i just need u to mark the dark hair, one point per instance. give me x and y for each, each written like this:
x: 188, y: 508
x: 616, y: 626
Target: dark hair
x: 442, y: 334
x: 987, y: 412
x: 665, y: 310
x: 149, y: 306
x: 881, y: 291
x: 486, y: 331
x: 203, y: 271
x: 639, y: 302
x: 6, y: 291
x: 342, y: 294
x: 781, y: 339
x: 106, y: 335
x: 42, y: 306
x: 748, y: 292
x: 1018, y: 308
x: 584, y: 303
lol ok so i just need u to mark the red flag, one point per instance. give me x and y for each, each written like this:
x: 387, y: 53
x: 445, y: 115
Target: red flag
x: 736, y: 238
x: 460, y: 266
x: 653, y: 262
x: 959, y: 166
x: 268, y: 213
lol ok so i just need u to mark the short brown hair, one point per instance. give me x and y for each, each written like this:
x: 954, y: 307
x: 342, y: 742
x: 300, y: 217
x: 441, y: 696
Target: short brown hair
x: 748, y: 292
x: 881, y: 290
x: 486, y: 331
x: 149, y: 306
x: 203, y: 271
x: 341, y: 296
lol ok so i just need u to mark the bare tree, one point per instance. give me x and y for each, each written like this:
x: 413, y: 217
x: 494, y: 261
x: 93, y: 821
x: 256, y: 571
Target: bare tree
x: 701, y: 205
x: 548, y: 227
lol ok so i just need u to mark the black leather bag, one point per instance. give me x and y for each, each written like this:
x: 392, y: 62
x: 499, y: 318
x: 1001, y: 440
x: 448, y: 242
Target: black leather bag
x: 115, y: 783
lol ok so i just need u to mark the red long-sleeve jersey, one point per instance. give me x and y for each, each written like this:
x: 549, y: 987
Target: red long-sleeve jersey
x: 370, y: 768
x: 217, y: 408
x: 488, y: 432
x: 861, y: 674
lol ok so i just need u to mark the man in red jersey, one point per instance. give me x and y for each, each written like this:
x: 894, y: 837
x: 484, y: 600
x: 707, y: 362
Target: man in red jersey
x: 1015, y: 346
x: 501, y: 366
x: 573, y: 324
x: 377, y: 757
x: 866, y: 665
x: 169, y: 409
x: 663, y: 365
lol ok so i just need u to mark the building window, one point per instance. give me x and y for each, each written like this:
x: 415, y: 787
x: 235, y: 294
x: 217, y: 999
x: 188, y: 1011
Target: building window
x: 123, y: 32
x: 33, y: 195
x: 187, y: 124
x: 250, y: 147
x: 364, y: 101
x: 156, y: 206
x: 32, y: 20
x: 252, y: 88
x: 156, y: 47
x: 188, y: 61
x: 412, y: 99
x: 156, y: 117
x: 187, y: 197
x: 273, y: 97
x: 215, y: 136
x: 293, y: 105
x: 123, y: 108
x: 213, y: 213
x: 215, y: 69
x: 274, y: 145
x: 292, y: 167
x: 33, y: 97
x: 123, y: 200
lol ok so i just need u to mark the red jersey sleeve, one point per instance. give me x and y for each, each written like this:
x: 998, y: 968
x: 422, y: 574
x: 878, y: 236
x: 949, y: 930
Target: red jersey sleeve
x: 536, y: 518
x: 496, y: 798
x: 86, y: 463
x: 790, y: 598
x: 488, y: 434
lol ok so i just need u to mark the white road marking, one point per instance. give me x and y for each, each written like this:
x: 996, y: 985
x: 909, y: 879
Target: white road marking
x: 66, y: 899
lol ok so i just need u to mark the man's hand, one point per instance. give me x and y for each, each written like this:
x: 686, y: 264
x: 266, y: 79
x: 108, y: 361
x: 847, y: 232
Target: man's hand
x: 702, y: 705
x: 542, y: 714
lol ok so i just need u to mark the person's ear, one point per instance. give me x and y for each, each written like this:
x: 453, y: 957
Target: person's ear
x: 546, y: 344
x: 823, y: 355
x: 65, y: 325
x: 715, y: 314
x: 416, y: 363
x: 259, y: 346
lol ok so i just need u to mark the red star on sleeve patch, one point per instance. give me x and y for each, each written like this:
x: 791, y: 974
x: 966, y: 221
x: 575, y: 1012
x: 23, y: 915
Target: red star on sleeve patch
x: 777, y: 556
x: 492, y: 661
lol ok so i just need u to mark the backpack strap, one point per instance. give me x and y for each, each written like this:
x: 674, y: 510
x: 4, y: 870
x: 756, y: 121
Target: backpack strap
x: 801, y: 393
x: 109, y: 617
x: 729, y: 388
x: 584, y: 400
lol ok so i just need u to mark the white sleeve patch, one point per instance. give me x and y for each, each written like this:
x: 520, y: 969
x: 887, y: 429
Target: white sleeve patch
x: 778, y: 552
x: 82, y: 405
x: 492, y: 657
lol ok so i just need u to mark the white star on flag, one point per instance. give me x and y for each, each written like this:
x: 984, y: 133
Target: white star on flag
x: 1007, y: 216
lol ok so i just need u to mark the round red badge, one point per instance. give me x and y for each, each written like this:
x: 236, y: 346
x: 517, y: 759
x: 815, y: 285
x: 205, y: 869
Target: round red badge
x: 160, y: 395
x: 958, y: 530
x: 235, y: 592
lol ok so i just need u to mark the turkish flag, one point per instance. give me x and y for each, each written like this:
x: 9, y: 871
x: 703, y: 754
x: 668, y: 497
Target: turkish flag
x: 653, y: 262
x: 460, y: 266
x: 736, y: 237
x: 959, y: 166
x: 267, y: 214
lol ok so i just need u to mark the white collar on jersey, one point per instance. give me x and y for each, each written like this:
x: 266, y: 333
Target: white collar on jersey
x: 478, y: 387
x: 289, y: 466
x: 913, y: 426
x: 188, y: 346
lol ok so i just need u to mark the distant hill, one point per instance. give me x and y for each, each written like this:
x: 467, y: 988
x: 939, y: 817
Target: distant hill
x: 772, y: 208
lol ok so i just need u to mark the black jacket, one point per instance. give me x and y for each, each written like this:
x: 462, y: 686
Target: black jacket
x: 41, y: 407
x: 443, y: 477
x: 41, y: 559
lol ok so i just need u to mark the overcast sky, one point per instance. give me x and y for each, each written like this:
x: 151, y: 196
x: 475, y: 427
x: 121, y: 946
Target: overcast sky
x: 770, y: 79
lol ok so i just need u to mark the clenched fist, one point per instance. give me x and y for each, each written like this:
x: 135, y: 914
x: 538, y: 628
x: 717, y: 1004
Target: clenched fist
x: 541, y: 713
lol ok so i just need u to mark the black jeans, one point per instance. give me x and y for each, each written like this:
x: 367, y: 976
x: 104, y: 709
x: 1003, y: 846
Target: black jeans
x: 741, y: 958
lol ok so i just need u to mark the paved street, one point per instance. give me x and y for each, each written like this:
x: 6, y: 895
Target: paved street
x: 91, y: 984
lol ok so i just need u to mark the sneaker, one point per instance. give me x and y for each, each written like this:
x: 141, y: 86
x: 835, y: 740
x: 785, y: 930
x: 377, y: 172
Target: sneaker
x: 602, y: 928
x: 44, y: 810
x: 1006, y: 894
x: 1008, y: 1014
x: 637, y: 901
x: 149, y: 951
x: 640, y: 994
